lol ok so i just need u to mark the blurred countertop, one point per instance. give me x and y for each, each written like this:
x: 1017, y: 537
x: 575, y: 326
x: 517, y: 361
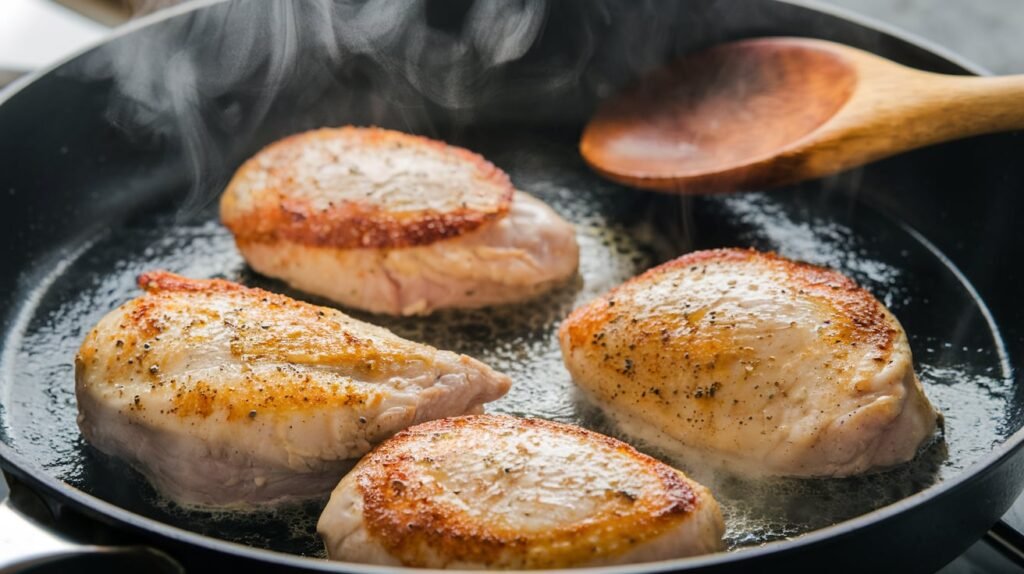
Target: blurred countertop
x: 987, y: 32
x: 37, y: 33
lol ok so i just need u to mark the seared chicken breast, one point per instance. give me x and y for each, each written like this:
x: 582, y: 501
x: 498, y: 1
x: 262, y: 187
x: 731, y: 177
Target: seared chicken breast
x: 764, y: 364
x: 394, y: 223
x: 500, y: 492
x: 224, y: 395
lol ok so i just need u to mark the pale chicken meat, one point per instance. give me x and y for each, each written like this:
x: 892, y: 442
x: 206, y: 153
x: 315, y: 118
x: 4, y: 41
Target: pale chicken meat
x: 499, y: 492
x: 394, y: 223
x: 223, y: 395
x: 754, y: 362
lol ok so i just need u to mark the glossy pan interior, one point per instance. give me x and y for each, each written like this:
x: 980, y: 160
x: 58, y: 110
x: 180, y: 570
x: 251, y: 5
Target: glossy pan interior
x: 99, y: 188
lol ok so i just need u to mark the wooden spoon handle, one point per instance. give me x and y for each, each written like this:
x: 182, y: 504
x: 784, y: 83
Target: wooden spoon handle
x: 966, y: 105
x: 896, y: 109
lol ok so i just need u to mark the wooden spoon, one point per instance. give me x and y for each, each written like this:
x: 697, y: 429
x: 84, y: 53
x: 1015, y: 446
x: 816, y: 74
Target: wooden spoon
x: 769, y: 111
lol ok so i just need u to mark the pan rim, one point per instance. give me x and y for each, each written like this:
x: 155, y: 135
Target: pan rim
x: 29, y: 472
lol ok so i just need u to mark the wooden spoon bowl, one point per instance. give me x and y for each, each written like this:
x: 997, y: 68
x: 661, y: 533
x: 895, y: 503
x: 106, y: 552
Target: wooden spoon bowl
x: 768, y: 111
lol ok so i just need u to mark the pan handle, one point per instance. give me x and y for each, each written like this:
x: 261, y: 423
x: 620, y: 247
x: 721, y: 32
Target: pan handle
x: 25, y: 543
x: 1008, y: 541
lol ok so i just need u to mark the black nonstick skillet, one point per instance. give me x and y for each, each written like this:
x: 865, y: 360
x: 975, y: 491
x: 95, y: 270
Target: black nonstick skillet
x: 111, y: 163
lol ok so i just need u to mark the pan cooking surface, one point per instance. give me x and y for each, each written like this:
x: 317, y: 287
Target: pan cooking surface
x: 621, y: 233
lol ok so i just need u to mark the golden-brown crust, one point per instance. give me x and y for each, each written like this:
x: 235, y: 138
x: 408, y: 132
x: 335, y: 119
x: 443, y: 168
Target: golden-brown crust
x: 862, y: 319
x: 403, y: 514
x: 160, y: 280
x: 278, y: 339
x: 279, y: 214
x: 263, y: 395
x: 764, y: 364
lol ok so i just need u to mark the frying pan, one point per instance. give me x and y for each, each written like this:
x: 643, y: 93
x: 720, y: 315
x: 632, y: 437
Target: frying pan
x: 113, y: 160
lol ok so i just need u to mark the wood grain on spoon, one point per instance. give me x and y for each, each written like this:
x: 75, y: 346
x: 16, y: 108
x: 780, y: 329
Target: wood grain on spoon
x: 769, y: 111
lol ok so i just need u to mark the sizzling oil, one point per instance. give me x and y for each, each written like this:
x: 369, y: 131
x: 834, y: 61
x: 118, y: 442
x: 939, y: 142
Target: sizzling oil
x: 621, y: 232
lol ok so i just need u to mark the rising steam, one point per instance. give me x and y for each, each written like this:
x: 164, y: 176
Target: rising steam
x: 218, y: 82
x: 207, y: 80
